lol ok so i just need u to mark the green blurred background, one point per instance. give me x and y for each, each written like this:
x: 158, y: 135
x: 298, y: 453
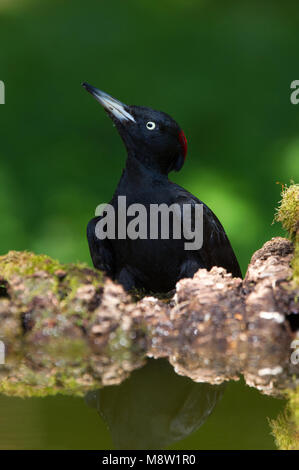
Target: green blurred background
x: 222, y: 70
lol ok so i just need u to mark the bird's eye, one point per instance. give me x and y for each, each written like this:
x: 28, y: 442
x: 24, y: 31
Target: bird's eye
x: 150, y: 125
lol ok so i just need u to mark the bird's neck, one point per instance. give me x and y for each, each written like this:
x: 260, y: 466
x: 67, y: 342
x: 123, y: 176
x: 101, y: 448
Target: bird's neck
x: 143, y: 169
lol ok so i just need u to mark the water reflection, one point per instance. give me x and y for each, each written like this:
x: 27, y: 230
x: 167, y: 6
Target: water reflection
x: 155, y: 407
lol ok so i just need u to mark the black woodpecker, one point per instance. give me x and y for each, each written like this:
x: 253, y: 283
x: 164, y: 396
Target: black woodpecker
x: 155, y: 146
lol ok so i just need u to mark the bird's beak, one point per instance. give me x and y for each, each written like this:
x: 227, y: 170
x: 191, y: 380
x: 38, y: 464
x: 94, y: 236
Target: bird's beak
x: 115, y: 108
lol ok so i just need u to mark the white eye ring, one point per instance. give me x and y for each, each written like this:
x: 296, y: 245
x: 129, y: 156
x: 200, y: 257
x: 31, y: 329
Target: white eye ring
x: 150, y: 125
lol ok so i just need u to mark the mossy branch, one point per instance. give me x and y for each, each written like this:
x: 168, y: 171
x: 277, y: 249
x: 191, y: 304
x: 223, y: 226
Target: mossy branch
x: 68, y: 329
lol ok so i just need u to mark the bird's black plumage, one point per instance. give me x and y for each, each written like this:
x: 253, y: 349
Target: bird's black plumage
x: 155, y: 145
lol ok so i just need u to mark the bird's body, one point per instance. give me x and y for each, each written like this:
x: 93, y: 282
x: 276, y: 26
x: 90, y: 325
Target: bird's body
x: 156, y: 264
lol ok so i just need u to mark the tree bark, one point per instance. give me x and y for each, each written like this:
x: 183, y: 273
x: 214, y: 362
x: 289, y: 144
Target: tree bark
x: 69, y: 329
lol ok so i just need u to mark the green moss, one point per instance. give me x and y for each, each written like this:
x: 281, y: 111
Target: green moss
x: 53, y: 294
x: 23, y: 390
x: 288, y: 215
x: 295, y: 264
x: 288, y: 210
x: 285, y: 428
x: 72, y: 380
x: 25, y: 263
x: 39, y: 275
x: 67, y: 349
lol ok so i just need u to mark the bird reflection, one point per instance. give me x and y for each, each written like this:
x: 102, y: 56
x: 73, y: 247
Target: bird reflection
x: 154, y: 407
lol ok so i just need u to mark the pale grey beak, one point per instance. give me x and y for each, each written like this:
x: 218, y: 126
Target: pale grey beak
x: 113, y: 106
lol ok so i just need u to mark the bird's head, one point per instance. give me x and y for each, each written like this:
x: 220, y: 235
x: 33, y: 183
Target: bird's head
x: 152, y: 137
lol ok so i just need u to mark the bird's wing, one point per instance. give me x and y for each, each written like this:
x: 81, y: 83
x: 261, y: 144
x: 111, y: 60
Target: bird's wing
x: 216, y: 249
x: 100, y: 250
